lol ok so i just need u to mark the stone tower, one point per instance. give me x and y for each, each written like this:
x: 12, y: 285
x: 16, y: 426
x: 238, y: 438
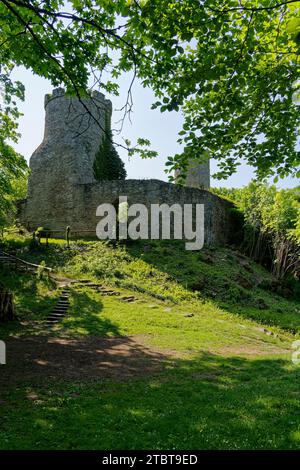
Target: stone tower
x: 74, y: 129
x: 198, y: 174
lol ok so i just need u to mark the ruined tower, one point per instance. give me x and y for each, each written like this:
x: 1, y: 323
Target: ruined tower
x: 74, y: 129
x: 198, y: 174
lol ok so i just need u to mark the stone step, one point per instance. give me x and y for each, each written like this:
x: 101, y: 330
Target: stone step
x: 61, y: 308
x: 95, y: 286
x: 57, y: 314
x: 128, y: 299
x: 108, y: 291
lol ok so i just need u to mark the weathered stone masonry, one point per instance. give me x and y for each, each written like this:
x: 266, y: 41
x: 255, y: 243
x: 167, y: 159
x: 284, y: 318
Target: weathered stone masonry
x: 62, y: 188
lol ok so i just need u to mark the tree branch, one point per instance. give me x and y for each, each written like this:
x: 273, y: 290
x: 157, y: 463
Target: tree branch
x: 253, y: 9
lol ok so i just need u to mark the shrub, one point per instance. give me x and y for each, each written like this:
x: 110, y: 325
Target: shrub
x: 108, y: 165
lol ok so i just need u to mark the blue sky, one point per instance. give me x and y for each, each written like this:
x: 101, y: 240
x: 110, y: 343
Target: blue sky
x: 160, y: 128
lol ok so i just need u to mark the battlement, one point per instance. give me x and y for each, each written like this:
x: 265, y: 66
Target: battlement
x: 74, y: 120
x: 93, y: 95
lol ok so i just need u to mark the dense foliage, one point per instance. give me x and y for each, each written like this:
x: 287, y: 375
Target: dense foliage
x: 108, y: 164
x: 13, y: 187
x: 12, y: 165
x: 272, y: 223
x: 230, y: 66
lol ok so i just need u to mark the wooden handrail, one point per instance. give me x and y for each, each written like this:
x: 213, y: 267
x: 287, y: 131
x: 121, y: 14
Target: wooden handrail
x: 26, y: 263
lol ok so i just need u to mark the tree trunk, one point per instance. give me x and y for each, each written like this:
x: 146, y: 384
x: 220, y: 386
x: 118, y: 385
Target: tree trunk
x: 7, y: 309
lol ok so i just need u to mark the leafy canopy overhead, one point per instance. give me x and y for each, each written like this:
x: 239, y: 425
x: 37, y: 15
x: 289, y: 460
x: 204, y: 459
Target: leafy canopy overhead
x: 232, y: 67
x: 13, y: 167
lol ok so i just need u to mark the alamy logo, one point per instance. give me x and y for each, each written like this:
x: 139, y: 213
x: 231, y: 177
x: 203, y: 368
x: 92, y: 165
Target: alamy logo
x: 296, y: 353
x: 2, y: 353
x: 136, y: 221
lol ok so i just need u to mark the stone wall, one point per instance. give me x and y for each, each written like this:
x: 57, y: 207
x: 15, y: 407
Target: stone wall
x: 81, y: 216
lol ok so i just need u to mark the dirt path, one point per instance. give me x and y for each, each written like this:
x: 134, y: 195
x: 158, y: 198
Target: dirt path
x: 44, y: 357
x: 85, y: 358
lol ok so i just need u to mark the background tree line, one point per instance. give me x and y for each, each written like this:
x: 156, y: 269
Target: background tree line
x: 271, y: 223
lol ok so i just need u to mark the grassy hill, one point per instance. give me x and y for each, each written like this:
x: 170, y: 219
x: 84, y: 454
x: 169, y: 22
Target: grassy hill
x: 199, y: 357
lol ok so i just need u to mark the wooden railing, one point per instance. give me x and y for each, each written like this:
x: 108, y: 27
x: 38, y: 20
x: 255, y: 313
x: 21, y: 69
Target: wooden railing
x: 8, y: 259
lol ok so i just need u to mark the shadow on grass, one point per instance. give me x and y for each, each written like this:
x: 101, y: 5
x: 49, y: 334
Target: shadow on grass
x: 34, y: 298
x: 31, y: 359
x: 209, y: 402
x: 85, y: 316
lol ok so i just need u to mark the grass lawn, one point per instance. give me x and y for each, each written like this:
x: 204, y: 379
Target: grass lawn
x: 201, y: 359
x: 209, y: 402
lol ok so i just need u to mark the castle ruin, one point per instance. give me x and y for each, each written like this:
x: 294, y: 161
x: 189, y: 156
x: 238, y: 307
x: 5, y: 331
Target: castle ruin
x: 62, y: 188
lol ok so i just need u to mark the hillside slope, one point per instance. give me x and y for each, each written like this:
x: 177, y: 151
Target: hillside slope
x: 192, y: 351
x: 222, y: 277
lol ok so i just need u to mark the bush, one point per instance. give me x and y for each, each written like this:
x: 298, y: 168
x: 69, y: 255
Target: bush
x: 108, y: 165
